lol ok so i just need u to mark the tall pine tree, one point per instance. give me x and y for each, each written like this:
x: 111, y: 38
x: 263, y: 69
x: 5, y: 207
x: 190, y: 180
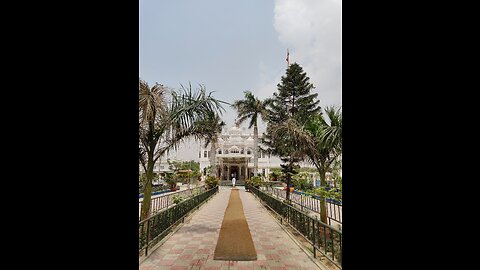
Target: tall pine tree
x: 291, y: 106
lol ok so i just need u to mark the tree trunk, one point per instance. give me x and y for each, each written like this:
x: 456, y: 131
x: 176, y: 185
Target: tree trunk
x: 323, y: 208
x: 287, y: 197
x: 255, y: 151
x: 213, y: 152
x: 289, y: 181
x: 148, y: 191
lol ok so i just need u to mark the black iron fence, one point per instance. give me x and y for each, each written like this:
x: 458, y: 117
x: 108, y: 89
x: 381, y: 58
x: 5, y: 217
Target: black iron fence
x: 164, y: 201
x: 311, y: 202
x: 323, y: 237
x: 155, y: 228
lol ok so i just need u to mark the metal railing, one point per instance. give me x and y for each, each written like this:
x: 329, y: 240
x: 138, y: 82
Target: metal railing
x: 165, y: 201
x: 323, y: 237
x: 155, y: 228
x: 311, y: 202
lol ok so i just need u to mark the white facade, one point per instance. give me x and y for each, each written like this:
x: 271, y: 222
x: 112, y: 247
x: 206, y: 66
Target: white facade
x: 234, y: 156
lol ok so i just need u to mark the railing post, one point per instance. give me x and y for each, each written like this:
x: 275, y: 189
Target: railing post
x: 313, y: 240
x: 332, y: 237
x: 325, y: 238
x: 148, y: 237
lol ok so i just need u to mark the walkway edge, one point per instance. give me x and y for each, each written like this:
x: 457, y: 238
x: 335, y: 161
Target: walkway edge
x: 307, y: 252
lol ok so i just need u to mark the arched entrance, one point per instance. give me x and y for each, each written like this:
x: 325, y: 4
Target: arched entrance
x: 233, y: 172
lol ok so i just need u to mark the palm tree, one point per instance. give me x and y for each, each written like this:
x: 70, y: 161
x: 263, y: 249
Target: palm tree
x: 213, y: 125
x: 251, y: 108
x: 288, y: 140
x: 319, y: 140
x: 327, y: 147
x: 216, y: 125
x: 163, y: 125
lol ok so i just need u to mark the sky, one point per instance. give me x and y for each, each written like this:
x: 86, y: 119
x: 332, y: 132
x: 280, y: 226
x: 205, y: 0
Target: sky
x: 236, y: 46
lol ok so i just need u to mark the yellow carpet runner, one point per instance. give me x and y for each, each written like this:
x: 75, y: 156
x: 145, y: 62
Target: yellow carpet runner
x: 235, y: 241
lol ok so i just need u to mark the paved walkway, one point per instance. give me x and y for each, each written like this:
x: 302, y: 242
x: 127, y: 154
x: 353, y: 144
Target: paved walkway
x: 192, y: 246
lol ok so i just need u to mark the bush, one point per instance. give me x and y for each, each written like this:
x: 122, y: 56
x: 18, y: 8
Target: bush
x: 211, y: 182
x: 254, y: 181
x: 177, y: 198
x: 172, y: 183
x: 302, y: 181
x: 328, y: 193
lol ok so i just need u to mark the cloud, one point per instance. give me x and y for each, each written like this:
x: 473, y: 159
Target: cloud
x: 311, y: 29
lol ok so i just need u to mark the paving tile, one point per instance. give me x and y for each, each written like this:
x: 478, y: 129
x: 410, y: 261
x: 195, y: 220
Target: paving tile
x: 166, y: 262
x: 179, y: 268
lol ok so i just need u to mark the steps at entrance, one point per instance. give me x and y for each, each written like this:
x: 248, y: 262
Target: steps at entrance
x: 229, y: 183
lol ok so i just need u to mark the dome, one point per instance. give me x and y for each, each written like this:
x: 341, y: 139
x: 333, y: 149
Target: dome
x: 235, y: 131
x: 236, y: 139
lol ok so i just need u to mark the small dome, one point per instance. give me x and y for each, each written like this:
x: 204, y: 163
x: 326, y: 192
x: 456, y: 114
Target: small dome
x: 236, y: 139
x: 235, y: 131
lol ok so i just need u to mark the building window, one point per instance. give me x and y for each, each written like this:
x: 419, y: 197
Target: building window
x: 226, y: 151
x: 219, y: 151
x: 241, y: 152
x: 204, y: 154
x: 249, y: 152
x: 208, y: 153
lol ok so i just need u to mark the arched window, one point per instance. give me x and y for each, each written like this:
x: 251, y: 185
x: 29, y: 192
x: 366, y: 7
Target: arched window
x: 219, y: 151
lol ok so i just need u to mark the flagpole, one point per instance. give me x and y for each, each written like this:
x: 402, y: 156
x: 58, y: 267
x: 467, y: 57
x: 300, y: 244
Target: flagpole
x: 288, y: 58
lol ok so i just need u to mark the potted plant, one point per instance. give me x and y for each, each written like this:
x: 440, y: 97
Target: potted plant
x: 172, y: 183
x: 254, y: 181
x: 211, y: 182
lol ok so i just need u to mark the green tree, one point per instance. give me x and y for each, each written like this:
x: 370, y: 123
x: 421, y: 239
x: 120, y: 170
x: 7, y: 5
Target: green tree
x: 275, y: 174
x: 290, y: 108
x: 185, y: 171
x: 326, y: 133
x: 216, y: 124
x: 251, y: 108
x: 303, y: 181
x: 319, y: 140
x: 164, y: 124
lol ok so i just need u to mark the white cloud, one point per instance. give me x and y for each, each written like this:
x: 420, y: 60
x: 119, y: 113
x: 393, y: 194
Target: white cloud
x: 311, y: 29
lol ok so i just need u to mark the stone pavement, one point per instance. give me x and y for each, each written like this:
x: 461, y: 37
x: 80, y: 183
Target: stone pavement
x: 192, y: 246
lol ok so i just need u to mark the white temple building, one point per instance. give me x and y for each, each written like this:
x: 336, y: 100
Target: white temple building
x: 234, y: 156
